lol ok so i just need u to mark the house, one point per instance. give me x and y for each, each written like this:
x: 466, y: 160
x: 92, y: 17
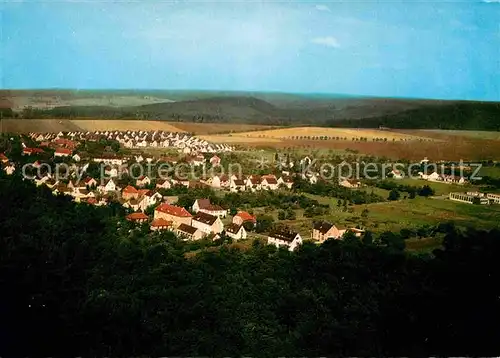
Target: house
x: 286, y: 181
x: 432, y: 177
x: 253, y: 182
x: 323, y: 231
x: 163, y: 184
x: 109, y: 185
x: 357, y: 232
x: 243, y: 217
x: 188, y: 232
x: 76, y: 158
x: 215, y: 210
x: 236, y: 232
x: 237, y: 185
x: 30, y: 151
x: 424, y: 161
x: 284, y: 237
x: 90, y: 182
x: 199, y: 204
x: 160, y: 224
x: 143, y: 181
x: 215, y: 161
x: 350, y: 183
x: 207, y: 223
x: 138, y: 218
x: 453, y: 179
x: 9, y: 168
x: 62, y: 152
x: 176, y: 214
x: 397, y: 174
x: 129, y: 192
x: 3, y: 158
x: 269, y: 183
x: 205, y: 206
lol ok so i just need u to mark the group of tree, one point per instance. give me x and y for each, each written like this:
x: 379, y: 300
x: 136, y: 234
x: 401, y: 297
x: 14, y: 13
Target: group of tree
x: 334, y: 190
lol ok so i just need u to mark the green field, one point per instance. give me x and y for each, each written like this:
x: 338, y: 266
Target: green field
x: 492, y: 135
x: 493, y: 172
x: 420, y: 211
x: 439, y: 188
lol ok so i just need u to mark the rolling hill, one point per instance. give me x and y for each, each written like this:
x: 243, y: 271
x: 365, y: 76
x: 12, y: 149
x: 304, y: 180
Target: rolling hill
x: 250, y: 108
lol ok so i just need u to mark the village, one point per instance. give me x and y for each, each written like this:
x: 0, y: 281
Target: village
x: 144, y: 199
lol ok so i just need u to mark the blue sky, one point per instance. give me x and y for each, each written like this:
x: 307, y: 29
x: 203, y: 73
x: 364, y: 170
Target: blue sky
x: 392, y: 48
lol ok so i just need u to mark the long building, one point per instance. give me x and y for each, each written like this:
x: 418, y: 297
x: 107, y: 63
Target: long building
x: 470, y: 198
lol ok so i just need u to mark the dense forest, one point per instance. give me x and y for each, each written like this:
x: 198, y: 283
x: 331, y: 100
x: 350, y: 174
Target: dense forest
x: 76, y: 280
x: 460, y: 115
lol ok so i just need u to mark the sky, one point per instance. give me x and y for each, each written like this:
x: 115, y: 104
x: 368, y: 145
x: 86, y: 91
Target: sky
x: 413, y: 49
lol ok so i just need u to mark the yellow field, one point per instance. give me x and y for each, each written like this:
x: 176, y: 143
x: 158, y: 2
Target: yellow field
x: 308, y: 133
x: 132, y: 125
x: 66, y: 125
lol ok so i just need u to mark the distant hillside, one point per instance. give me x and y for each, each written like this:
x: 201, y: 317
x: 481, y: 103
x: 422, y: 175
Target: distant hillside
x: 250, y: 108
x: 459, y: 115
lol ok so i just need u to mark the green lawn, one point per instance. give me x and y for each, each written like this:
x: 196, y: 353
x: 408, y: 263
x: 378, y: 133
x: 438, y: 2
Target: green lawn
x: 419, y: 211
x: 439, y: 188
x: 493, y: 172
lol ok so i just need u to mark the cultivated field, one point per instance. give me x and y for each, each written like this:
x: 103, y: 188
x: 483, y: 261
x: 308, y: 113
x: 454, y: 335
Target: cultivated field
x: 309, y: 132
x: 65, y: 125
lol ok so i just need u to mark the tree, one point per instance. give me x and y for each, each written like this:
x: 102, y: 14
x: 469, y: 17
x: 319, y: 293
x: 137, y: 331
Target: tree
x: 281, y: 215
x: 364, y: 213
x: 394, y: 194
x: 426, y: 190
x: 264, y: 223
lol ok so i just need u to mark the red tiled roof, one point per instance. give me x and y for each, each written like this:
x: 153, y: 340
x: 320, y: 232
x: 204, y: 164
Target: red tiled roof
x: 173, y: 210
x: 137, y: 216
x: 144, y: 192
x: 33, y: 150
x: 161, y: 223
x: 129, y: 190
x: 63, y: 151
x: 246, y: 216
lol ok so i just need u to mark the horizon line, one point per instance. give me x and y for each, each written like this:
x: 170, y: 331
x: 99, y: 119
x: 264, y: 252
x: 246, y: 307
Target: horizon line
x: 251, y: 91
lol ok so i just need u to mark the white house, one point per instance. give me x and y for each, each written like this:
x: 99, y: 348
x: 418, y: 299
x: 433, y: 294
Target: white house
x: 236, y: 232
x: 108, y: 186
x: 207, y: 223
x: 397, y: 174
x: 143, y: 181
x: 284, y: 237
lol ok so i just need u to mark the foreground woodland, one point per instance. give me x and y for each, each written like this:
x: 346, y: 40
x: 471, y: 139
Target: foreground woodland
x: 76, y: 280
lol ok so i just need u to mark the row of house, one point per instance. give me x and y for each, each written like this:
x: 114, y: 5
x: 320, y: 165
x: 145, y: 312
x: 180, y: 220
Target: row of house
x: 183, y: 142
x: 443, y: 178
x: 321, y: 231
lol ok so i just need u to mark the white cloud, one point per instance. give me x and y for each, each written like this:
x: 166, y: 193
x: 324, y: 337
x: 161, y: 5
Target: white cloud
x: 492, y: 1
x: 322, y: 8
x: 328, y: 41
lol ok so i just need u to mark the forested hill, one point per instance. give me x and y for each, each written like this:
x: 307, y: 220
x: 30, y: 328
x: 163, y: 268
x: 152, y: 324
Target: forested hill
x: 460, y: 115
x: 74, y: 285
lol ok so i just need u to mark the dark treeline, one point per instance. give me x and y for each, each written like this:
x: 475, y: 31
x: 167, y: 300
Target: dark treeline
x: 461, y: 115
x: 73, y: 285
